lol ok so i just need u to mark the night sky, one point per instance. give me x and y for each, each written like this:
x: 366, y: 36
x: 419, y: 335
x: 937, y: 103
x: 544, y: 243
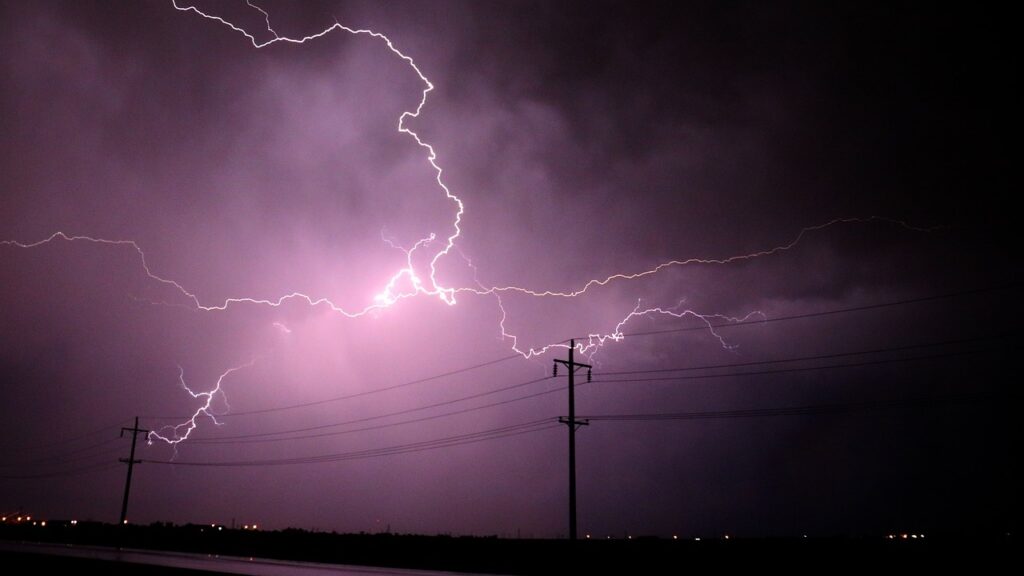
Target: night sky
x: 867, y: 391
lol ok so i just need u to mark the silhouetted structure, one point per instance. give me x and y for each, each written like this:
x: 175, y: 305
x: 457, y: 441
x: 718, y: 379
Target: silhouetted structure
x: 135, y: 430
x: 572, y: 423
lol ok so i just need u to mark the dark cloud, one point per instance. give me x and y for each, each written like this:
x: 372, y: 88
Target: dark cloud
x: 586, y: 140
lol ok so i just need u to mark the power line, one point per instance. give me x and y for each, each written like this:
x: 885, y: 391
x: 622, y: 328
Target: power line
x: 210, y: 441
x: 355, y: 394
x: 805, y: 410
x: 265, y: 437
x: 386, y: 415
x: 81, y: 436
x: 73, y: 472
x: 445, y: 442
x: 814, y: 357
x: 825, y: 312
x: 63, y: 456
x: 74, y: 457
x: 548, y: 423
x: 651, y: 332
x: 805, y: 369
x: 644, y: 333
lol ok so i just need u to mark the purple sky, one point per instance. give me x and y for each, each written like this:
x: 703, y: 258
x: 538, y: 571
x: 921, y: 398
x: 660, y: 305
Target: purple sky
x: 585, y: 140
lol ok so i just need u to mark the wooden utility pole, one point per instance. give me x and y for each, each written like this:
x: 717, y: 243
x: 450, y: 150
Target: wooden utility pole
x: 131, y: 461
x: 573, y: 424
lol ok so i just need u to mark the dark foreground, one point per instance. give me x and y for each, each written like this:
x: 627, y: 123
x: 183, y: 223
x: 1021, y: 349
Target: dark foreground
x: 70, y: 558
x: 509, y: 556
x: 35, y: 563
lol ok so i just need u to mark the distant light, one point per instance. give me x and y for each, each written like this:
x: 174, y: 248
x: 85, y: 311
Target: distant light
x: 914, y: 536
x: 697, y: 539
x: 27, y: 518
x: 213, y: 525
x: 904, y: 536
x: 43, y: 523
x: 246, y: 527
x: 125, y: 521
x: 674, y: 537
x: 219, y: 528
x: 4, y: 519
x: 74, y: 522
x: 19, y: 519
x: 588, y: 536
x: 254, y: 526
x: 805, y: 535
x: 922, y: 535
x: 726, y: 536
x: 629, y: 537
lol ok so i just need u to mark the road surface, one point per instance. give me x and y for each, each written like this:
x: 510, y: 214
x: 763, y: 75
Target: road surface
x: 210, y: 562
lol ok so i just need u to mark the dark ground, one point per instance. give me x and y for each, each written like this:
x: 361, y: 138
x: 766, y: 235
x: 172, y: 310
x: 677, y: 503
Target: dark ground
x: 44, y: 564
x: 509, y: 556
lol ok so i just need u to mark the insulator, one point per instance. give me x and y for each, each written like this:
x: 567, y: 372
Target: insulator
x: 588, y: 374
x: 554, y: 370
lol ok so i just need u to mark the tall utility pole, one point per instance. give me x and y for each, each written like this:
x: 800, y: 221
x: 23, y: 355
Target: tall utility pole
x: 131, y: 461
x: 573, y: 424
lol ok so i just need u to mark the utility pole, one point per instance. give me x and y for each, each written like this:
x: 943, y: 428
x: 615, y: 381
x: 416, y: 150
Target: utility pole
x: 573, y: 424
x: 131, y: 461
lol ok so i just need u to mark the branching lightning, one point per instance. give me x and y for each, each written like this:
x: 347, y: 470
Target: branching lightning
x: 425, y: 282
x: 179, y: 433
x: 674, y: 263
x: 389, y: 295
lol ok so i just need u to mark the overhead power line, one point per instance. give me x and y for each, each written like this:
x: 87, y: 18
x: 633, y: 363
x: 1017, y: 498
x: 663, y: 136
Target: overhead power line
x: 62, y: 456
x: 887, y: 349
x: 831, y: 312
x: 102, y: 466
x: 210, y: 441
x: 494, y: 361
x: 113, y: 428
x: 285, y: 434
x: 834, y: 408
x: 354, y: 394
x: 550, y: 423
x: 445, y: 442
x: 385, y: 415
x: 805, y: 369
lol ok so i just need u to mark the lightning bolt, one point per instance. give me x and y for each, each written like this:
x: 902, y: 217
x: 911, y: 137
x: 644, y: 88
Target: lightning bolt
x: 597, y: 340
x: 428, y: 284
x: 176, y: 434
x: 389, y: 295
x: 598, y: 282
